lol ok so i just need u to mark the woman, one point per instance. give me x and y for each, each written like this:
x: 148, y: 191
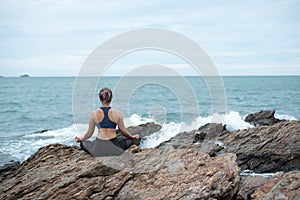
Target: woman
x: 106, y: 119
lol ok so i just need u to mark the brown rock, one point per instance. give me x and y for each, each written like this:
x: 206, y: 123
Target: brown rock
x: 64, y: 172
x: 266, y: 148
x: 281, y: 186
x: 182, y: 174
x: 249, y: 184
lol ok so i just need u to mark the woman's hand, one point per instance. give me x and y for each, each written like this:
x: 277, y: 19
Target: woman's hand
x: 78, y: 139
x: 137, y: 136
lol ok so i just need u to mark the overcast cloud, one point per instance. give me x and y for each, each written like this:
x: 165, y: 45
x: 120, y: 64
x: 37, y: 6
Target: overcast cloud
x: 53, y: 38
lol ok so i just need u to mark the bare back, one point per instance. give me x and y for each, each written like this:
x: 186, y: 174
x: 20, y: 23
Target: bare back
x: 106, y: 133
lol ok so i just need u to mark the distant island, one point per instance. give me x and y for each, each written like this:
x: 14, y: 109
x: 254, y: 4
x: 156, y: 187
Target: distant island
x: 24, y: 75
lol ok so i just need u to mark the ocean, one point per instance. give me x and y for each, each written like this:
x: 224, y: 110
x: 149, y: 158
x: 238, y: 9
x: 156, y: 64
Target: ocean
x: 37, y: 111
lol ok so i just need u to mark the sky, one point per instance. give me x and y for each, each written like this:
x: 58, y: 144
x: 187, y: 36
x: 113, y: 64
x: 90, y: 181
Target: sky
x: 55, y: 37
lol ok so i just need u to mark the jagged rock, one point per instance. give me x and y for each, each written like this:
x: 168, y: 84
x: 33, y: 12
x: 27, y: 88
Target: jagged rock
x: 264, y: 117
x: 281, y: 186
x: 143, y: 130
x: 266, y: 148
x: 261, y: 149
x: 66, y: 172
x: 206, y: 133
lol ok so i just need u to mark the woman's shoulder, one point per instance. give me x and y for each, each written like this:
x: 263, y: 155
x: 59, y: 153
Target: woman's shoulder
x: 116, y: 112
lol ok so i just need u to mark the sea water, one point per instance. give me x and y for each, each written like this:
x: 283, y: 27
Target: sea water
x: 38, y: 111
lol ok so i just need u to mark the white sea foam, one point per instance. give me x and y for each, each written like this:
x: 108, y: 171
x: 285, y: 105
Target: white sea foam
x: 22, y: 147
x: 286, y: 117
x: 233, y: 121
x: 248, y: 172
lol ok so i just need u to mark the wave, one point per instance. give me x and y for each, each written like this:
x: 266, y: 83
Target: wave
x: 232, y: 120
x: 285, y: 117
x: 20, y: 148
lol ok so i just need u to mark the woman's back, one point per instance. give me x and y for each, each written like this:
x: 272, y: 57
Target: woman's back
x: 106, y: 120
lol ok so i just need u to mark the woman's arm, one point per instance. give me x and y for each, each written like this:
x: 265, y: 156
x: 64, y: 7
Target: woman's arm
x: 90, y: 131
x: 122, y: 128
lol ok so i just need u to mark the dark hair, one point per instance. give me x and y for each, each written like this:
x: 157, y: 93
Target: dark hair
x: 105, y: 95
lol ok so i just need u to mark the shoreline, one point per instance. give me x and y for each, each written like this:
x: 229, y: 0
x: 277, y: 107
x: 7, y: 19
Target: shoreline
x: 210, y: 153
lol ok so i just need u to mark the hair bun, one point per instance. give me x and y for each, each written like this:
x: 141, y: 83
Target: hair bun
x: 105, y: 95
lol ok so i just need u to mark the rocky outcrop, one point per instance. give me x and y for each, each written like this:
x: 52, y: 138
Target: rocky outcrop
x: 143, y: 130
x: 264, y: 117
x: 64, y: 172
x: 182, y: 174
x: 266, y: 148
x: 260, y: 149
x: 281, y: 186
x: 205, y: 134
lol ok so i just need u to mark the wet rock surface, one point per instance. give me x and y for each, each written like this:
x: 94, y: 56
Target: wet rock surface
x: 266, y: 148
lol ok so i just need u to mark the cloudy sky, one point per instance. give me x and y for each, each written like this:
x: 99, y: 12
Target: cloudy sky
x: 53, y: 37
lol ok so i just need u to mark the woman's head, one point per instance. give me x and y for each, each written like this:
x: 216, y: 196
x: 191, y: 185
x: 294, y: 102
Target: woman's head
x: 105, y: 95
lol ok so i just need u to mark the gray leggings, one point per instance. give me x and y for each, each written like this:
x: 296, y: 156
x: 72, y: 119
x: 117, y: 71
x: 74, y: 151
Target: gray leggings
x: 112, y: 147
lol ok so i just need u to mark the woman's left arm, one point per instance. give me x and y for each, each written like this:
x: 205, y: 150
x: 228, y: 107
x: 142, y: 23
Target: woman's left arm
x: 90, y: 131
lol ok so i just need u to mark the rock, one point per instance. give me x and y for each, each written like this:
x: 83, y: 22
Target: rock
x: 281, y: 186
x: 249, y: 184
x: 264, y: 117
x: 183, y: 140
x: 182, y: 174
x: 208, y: 131
x: 43, y: 131
x: 24, y: 76
x: 60, y: 171
x: 66, y: 172
x: 143, y: 130
x: 261, y: 149
x: 8, y: 169
x: 180, y: 141
x: 266, y: 148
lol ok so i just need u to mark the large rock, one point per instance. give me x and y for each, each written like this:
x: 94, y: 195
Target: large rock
x: 66, y: 172
x: 182, y: 174
x: 260, y: 149
x: 266, y: 148
x: 281, y: 186
x: 144, y: 129
x: 264, y: 117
